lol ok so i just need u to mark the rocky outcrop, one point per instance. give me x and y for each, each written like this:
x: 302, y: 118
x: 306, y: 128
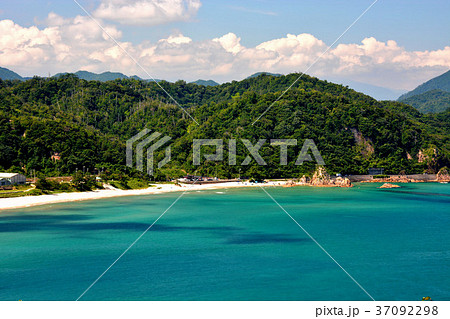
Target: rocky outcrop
x: 290, y: 183
x: 443, y: 175
x: 322, y: 178
x: 364, y: 145
x: 343, y: 182
x: 388, y: 185
x: 427, y: 155
x: 304, y: 180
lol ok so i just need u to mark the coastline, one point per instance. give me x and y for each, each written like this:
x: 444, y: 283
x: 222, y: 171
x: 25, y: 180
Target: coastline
x: 30, y: 201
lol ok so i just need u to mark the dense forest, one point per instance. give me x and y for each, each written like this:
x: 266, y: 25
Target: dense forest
x: 86, y: 124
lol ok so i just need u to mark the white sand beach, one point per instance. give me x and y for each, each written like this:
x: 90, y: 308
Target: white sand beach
x: 28, y: 201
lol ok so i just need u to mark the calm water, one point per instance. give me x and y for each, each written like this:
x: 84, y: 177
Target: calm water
x: 234, y: 244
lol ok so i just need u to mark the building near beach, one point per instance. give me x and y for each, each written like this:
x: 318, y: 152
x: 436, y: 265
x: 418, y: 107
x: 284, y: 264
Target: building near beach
x: 11, y: 179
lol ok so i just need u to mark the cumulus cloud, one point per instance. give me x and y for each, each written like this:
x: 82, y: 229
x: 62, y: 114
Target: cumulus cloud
x: 71, y: 44
x: 147, y: 12
x: 177, y: 39
x: 230, y: 42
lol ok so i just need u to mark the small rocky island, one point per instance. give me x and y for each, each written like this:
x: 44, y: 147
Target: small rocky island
x: 389, y: 185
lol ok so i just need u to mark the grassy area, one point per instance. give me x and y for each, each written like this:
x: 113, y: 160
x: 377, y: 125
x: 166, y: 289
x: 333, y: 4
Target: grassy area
x: 49, y: 186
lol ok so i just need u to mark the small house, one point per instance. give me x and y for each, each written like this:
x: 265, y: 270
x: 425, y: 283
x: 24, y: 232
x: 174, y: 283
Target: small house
x: 12, y: 179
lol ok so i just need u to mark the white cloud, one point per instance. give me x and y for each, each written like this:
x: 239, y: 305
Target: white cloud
x: 71, y: 44
x: 147, y: 12
x: 230, y: 42
x: 177, y: 39
x: 64, y: 45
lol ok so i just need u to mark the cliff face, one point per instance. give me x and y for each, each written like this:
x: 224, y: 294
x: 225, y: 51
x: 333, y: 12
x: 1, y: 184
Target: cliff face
x: 429, y: 155
x: 364, y: 145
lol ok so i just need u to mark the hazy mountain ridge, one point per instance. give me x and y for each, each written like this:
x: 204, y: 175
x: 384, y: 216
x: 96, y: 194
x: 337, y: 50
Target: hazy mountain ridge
x: 377, y: 92
x: 255, y: 75
x: 432, y: 96
x: 102, y: 77
x: 205, y: 82
x: 441, y: 82
x: 433, y: 101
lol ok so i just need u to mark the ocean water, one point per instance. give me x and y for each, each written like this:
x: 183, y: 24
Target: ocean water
x: 233, y: 244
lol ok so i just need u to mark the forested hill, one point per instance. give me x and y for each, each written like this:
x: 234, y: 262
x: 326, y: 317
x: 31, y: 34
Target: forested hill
x: 441, y: 82
x: 87, y: 123
x: 434, y: 101
x: 7, y: 74
x: 432, y: 96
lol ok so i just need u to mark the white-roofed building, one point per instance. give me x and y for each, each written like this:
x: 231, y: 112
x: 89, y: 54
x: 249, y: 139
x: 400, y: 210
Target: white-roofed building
x: 12, y: 178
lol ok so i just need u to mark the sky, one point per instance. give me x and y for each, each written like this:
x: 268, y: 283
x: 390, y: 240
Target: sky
x: 397, y: 44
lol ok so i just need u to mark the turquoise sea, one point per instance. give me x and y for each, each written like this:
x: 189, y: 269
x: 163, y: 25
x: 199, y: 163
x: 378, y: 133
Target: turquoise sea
x: 233, y: 244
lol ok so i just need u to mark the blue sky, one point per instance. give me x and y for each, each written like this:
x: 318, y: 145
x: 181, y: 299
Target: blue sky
x: 416, y: 26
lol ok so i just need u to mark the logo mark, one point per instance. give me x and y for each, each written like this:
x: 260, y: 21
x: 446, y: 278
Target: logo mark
x: 142, y: 143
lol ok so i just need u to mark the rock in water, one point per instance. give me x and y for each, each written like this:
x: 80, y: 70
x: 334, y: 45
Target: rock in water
x: 388, y: 185
x: 343, y: 182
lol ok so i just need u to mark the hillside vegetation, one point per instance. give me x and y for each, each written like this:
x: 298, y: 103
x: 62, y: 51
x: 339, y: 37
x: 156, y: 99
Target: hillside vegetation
x: 434, y: 101
x: 87, y: 123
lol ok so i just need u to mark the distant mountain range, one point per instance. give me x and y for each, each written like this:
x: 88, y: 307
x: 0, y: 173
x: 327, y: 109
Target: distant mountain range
x: 432, y: 96
x: 441, y: 82
x: 260, y: 73
x: 377, y: 92
x: 103, y: 77
x: 435, y: 101
x: 206, y: 83
x: 6, y: 74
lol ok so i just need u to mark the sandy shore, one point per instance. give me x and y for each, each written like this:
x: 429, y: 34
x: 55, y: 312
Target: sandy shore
x: 28, y: 201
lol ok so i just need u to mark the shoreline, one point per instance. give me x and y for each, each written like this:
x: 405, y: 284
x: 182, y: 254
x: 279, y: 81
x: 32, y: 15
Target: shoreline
x: 30, y: 201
